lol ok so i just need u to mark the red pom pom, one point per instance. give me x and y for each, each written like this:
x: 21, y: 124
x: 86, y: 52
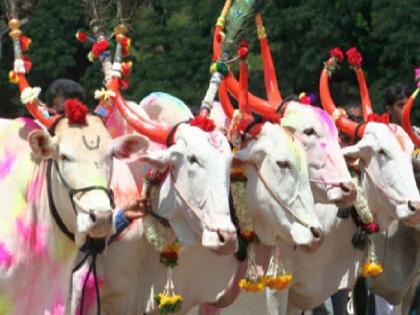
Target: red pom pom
x: 243, y: 50
x: 81, y: 36
x: 354, y: 58
x: 126, y: 68
x: 76, y: 111
x: 372, y: 227
x: 384, y: 118
x: 203, y: 123
x: 337, y: 53
x: 305, y: 100
x: 126, y: 44
x: 27, y: 63
x: 99, y: 47
x: 25, y: 42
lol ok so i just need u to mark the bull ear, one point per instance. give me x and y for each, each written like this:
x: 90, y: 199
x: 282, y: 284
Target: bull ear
x: 42, y: 144
x: 359, y: 149
x: 129, y: 148
x: 163, y: 158
x: 250, y: 154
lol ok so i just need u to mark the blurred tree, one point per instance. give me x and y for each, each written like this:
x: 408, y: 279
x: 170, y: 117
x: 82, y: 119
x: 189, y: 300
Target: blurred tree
x: 172, y: 47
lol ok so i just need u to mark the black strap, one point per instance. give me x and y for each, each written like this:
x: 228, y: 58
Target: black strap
x: 356, y: 131
x: 257, y: 120
x: 53, y: 208
x: 172, y: 132
x: 91, y: 271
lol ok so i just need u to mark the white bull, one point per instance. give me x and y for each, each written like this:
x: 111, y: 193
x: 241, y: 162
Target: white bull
x: 36, y: 256
x: 193, y: 198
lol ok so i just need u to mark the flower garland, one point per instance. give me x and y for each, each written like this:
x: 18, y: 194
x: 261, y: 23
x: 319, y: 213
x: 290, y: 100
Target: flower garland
x: 276, y: 277
x: 371, y: 268
x: 168, y: 301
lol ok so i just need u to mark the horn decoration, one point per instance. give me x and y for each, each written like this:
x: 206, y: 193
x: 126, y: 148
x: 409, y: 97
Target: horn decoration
x: 29, y: 95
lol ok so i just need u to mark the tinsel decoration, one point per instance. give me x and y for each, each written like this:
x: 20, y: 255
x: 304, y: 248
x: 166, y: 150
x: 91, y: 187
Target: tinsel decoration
x: 276, y: 277
x: 371, y: 268
x: 168, y: 301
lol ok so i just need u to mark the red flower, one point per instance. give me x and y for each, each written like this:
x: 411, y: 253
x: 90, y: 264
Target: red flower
x: 337, y: 53
x: 305, y: 99
x: 25, y: 42
x: 126, y: 44
x: 27, y: 63
x: 354, y: 58
x: 204, y: 123
x: 126, y: 68
x: 384, y: 118
x: 81, y: 36
x: 76, y: 111
x: 243, y: 49
x: 99, y: 47
x: 372, y: 227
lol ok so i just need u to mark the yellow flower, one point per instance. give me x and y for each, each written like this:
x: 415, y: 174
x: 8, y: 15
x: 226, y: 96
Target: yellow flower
x: 251, y: 286
x: 372, y: 269
x: 168, y: 304
x: 278, y: 282
x: 170, y: 248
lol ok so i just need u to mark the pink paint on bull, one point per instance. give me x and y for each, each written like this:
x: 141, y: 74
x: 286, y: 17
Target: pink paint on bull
x: 6, y: 258
x: 6, y: 166
x: 90, y: 292
x: 33, y: 234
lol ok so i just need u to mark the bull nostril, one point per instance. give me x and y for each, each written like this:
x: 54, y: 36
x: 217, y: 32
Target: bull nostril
x: 92, y: 217
x: 411, y: 206
x: 221, y: 237
x: 316, y: 232
x: 346, y: 187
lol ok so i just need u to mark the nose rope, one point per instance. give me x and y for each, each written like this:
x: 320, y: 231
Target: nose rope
x: 279, y: 200
x: 397, y: 199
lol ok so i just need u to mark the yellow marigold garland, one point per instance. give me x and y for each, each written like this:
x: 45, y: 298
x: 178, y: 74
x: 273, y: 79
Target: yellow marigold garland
x: 167, y: 301
x: 276, y: 277
x: 372, y: 268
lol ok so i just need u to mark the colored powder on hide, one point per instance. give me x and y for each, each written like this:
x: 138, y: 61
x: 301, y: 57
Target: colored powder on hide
x: 6, y: 258
x: 6, y: 166
x: 6, y: 306
x: 32, y: 234
x: 90, y: 292
x: 34, y: 189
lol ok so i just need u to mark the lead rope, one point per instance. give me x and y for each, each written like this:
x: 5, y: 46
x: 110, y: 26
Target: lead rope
x: 279, y: 200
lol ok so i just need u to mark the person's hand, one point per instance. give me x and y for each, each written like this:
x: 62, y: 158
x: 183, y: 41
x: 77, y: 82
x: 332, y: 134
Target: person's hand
x: 136, y: 209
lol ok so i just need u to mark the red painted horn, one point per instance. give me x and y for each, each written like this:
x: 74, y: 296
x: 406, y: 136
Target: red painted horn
x: 153, y: 131
x: 406, y: 118
x: 343, y: 123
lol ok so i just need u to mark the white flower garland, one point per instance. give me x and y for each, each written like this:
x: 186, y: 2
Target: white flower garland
x: 30, y: 95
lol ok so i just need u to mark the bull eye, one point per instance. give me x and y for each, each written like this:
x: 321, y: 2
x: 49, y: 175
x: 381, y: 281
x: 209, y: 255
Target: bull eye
x: 383, y: 153
x: 309, y: 131
x: 64, y: 158
x: 192, y: 159
x: 283, y: 164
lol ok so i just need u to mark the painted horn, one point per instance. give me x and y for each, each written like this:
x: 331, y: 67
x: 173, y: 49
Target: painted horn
x: 406, y: 118
x: 340, y: 118
x: 220, y: 25
x: 364, y: 94
x: 270, y: 79
x: 153, y: 131
x: 33, y: 103
x: 243, y: 101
